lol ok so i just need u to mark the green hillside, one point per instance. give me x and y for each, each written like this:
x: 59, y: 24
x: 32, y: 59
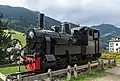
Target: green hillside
x: 18, y: 35
x: 22, y: 18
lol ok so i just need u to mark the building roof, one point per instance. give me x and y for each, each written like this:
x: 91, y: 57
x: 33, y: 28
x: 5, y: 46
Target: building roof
x: 115, y: 39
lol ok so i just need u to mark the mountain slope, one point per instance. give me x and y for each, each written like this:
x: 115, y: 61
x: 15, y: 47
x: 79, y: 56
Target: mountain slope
x: 107, y: 32
x: 106, y: 28
x: 22, y: 18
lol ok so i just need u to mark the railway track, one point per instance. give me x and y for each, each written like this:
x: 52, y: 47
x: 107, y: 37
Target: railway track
x: 31, y: 76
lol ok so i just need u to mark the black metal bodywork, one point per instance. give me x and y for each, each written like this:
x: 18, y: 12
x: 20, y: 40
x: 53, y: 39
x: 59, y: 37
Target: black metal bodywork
x: 61, y: 48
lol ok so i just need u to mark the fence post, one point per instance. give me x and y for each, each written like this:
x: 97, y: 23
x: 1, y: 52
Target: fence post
x: 75, y: 70
x: 89, y: 66
x: 68, y: 72
x: 109, y: 62
x: 114, y: 61
x: 49, y: 74
x: 19, y: 76
x: 102, y: 64
x: 99, y: 64
x: 7, y: 78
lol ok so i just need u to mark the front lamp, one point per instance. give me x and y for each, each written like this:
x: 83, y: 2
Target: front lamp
x: 31, y: 33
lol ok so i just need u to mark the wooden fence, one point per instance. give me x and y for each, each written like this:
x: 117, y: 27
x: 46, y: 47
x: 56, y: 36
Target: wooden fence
x: 50, y: 75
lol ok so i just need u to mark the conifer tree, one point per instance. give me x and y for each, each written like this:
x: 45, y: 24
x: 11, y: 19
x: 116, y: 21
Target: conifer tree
x: 4, y: 40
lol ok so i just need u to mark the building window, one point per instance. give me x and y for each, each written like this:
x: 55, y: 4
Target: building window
x: 116, y: 44
x: 112, y: 49
x: 111, y: 44
x: 116, y: 50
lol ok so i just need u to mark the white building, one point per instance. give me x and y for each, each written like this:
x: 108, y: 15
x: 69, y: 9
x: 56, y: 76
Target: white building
x: 114, y: 44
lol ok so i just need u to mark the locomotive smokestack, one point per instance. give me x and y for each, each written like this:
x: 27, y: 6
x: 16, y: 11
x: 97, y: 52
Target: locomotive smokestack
x: 41, y: 20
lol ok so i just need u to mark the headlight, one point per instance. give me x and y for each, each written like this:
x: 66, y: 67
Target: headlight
x: 31, y: 34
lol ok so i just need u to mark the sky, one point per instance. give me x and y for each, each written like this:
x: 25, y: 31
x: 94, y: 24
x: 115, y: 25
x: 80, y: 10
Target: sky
x: 83, y: 12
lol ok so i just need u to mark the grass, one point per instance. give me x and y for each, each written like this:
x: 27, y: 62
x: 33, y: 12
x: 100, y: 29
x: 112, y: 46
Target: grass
x: 19, y: 36
x: 88, y: 75
x: 12, y: 70
x: 118, y: 60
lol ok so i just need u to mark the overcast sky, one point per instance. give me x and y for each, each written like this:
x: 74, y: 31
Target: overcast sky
x: 85, y: 12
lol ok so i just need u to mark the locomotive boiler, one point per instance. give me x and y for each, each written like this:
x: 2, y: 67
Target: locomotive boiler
x: 60, y: 47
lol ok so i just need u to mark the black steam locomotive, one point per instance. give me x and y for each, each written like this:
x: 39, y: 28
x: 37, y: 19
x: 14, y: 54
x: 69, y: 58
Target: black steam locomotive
x: 59, y: 48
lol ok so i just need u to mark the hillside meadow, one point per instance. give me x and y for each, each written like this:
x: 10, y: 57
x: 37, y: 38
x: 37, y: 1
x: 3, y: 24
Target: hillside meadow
x: 17, y: 35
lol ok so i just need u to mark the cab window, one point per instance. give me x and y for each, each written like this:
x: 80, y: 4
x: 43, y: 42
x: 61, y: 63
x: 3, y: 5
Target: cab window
x: 96, y: 34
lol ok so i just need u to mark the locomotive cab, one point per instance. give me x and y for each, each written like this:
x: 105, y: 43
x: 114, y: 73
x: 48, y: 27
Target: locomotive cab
x: 96, y: 35
x: 93, y: 34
